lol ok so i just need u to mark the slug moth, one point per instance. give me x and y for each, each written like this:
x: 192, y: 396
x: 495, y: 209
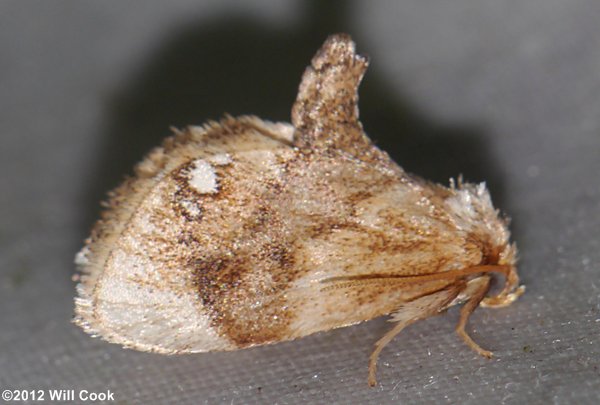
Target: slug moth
x: 247, y: 232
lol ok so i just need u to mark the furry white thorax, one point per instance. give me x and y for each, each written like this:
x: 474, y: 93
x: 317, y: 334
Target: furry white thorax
x: 472, y: 211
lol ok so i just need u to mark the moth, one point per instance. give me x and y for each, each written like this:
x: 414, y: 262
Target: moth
x: 246, y: 232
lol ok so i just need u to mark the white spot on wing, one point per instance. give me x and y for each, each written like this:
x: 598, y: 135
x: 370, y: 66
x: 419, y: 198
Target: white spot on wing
x: 192, y: 208
x: 202, y: 178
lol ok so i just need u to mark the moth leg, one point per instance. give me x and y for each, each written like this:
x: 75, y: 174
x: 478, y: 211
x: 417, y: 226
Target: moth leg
x: 480, y: 288
x: 410, y: 312
x: 381, y: 343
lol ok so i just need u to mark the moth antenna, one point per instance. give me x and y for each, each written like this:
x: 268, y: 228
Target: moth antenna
x: 509, y: 294
x: 325, y: 113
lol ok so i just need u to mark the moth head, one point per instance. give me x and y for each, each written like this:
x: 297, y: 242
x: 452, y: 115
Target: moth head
x: 471, y: 208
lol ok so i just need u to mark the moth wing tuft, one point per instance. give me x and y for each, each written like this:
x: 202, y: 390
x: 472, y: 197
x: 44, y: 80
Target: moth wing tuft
x: 325, y: 113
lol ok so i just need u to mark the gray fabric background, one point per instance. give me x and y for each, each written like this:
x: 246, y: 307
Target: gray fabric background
x: 502, y: 91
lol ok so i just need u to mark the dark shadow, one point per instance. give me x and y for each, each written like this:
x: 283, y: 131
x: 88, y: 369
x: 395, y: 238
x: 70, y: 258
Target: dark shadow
x: 238, y: 66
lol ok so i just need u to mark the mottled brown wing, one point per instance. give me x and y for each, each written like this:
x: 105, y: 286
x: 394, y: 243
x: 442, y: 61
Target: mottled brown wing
x: 138, y: 286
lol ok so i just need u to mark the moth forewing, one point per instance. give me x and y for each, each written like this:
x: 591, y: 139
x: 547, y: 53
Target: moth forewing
x: 247, y: 232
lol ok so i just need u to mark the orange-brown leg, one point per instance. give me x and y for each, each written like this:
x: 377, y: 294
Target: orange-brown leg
x: 381, y: 343
x: 479, y: 291
x: 410, y: 312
